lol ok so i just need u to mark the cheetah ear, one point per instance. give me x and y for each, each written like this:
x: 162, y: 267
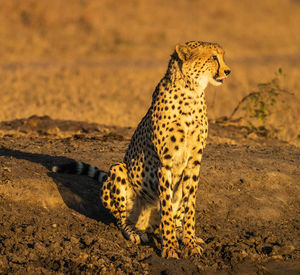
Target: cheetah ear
x: 183, y: 52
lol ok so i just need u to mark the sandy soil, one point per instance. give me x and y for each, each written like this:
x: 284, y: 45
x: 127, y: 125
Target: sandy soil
x: 247, y: 204
x: 92, y: 67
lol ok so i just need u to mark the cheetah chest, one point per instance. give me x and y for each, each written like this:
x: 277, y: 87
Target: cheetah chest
x: 191, y: 136
x: 192, y: 139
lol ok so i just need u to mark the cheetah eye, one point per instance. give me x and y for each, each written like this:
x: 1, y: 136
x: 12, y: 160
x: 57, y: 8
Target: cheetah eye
x: 214, y: 57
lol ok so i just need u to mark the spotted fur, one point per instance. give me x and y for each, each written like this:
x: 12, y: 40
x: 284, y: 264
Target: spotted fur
x: 154, y: 188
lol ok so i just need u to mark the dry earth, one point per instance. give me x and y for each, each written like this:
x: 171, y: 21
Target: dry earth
x: 247, y: 204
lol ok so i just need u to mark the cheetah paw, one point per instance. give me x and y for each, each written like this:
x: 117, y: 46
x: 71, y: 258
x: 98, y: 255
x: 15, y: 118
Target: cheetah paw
x: 136, y: 237
x: 199, y: 240
x: 169, y: 253
x: 191, y: 250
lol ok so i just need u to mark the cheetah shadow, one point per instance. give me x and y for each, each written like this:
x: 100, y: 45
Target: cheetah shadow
x: 79, y: 193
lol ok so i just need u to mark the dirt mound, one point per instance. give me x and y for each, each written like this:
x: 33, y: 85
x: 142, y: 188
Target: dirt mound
x: 247, y: 204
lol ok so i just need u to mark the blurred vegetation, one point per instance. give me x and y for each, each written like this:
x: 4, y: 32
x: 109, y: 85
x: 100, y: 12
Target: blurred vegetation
x: 256, y: 107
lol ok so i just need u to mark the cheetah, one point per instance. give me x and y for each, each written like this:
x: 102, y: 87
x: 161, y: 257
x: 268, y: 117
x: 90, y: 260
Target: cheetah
x: 154, y: 188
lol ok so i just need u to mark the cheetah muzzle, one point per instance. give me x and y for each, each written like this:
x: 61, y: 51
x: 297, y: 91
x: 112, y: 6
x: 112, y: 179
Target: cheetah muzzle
x: 154, y: 189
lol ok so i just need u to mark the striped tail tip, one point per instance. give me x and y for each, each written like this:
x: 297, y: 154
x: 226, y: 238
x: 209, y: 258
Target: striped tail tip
x: 55, y: 169
x: 81, y: 168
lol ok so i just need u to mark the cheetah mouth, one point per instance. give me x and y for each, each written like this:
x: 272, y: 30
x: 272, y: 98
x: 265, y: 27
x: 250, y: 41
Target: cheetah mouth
x: 220, y: 80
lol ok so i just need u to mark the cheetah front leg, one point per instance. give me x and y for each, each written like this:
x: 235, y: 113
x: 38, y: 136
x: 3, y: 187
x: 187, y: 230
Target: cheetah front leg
x: 167, y: 223
x: 190, y: 186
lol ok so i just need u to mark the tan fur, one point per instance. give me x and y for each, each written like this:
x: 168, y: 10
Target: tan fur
x: 155, y: 186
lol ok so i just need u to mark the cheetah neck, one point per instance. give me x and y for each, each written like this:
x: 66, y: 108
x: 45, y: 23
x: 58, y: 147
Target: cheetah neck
x: 175, y: 77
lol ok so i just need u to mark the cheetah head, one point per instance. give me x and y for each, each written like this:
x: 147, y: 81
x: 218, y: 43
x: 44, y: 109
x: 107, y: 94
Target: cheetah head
x: 202, y: 63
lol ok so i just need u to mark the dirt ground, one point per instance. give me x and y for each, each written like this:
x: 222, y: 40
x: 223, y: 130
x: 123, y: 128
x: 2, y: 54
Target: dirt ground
x: 247, y: 204
x: 75, y: 79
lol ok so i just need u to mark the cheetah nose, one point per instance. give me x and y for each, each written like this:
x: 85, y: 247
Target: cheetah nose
x: 227, y: 72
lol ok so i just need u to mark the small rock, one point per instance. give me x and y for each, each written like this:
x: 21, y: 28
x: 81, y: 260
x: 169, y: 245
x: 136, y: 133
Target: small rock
x: 277, y: 257
x: 6, y: 169
x: 267, y: 250
x: 253, y: 135
x: 87, y: 240
x: 285, y: 250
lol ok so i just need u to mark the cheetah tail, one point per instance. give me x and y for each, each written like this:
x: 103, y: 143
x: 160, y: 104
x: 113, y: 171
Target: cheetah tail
x: 81, y: 168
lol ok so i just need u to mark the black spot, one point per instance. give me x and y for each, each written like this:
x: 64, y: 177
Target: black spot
x: 166, y: 150
x: 123, y: 181
x: 167, y: 156
x: 195, y: 178
x: 192, y: 190
x: 173, y: 139
x: 167, y: 184
x: 118, y: 179
x: 106, y: 198
x: 185, y: 178
x: 196, y: 162
x: 113, y: 176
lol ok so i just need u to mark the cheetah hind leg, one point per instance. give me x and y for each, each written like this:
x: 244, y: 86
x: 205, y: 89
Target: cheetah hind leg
x: 116, y: 196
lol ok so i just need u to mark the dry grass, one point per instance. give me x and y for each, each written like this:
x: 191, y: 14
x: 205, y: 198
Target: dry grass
x: 100, y: 60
